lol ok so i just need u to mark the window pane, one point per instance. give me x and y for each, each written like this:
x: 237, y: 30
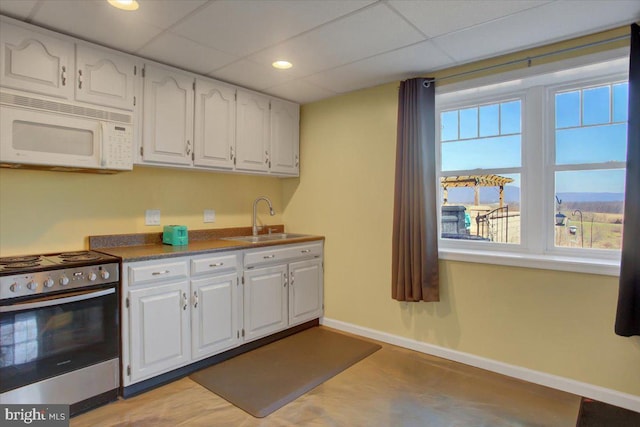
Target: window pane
x: 449, y: 125
x: 594, y: 144
x: 498, y: 152
x: 567, y: 109
x: 475, y: 208
x: 469, y: 123
x: 510, y: 117
x: 590, y: 209
x: 620, y: 102
x: 595, y: 107
x: 490, y: 120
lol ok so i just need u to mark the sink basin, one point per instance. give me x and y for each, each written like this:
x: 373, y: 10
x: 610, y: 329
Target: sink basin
x: 266, y: 237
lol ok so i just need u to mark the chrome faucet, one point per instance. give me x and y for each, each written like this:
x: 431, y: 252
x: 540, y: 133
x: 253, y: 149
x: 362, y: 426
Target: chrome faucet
x: 255, y: 206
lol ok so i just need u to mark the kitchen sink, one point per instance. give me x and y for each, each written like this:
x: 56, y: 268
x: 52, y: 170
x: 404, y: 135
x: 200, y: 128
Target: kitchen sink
x: 266, y: 237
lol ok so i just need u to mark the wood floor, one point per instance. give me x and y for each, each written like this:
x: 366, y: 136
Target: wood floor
x: 392, y: 387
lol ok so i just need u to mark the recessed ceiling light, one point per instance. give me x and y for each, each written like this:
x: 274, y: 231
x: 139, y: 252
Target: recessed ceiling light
x: 282, y: 65
x: 124, y: 4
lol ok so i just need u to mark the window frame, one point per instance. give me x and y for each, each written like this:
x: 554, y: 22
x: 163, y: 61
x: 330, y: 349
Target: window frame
x: 536, y: 87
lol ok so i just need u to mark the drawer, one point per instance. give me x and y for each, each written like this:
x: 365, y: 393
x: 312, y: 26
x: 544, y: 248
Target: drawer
x: 213, y: 264
x: 279, y: 254
x: 157, y: 271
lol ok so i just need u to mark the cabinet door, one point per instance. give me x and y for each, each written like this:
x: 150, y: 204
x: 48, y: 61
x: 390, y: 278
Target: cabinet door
x: 104, y: 78
x: 252, y: 132
x: 34, y: 62
x: 305, y: 291
x: 168, y: 117
x: 215, y: 124
x: 285, y: 139
x: 159, y: 329
x: 214, y: 318
x: 265, y: 301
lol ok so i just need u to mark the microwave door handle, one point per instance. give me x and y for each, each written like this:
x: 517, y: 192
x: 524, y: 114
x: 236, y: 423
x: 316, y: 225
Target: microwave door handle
x: 56, y: 301
x: 101, y: 135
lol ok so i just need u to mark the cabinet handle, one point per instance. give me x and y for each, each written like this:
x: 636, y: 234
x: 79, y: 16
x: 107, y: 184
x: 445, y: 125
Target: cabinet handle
x: 292, y: 279
x: 217, y: 264
x: 63, y: 75
x: 269, y: 256
x: 297, y: 160
x: 305, y: 251
x: 188, y: 149
x: 266, y: 159
x: 184, y: 300
x: 230, y: 153
x: 158, y: 273
x: 79, y: 79
x: 195, y: 299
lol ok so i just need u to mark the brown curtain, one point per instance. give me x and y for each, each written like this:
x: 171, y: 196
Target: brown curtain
x: 415, y: 230
x: 628, y: 314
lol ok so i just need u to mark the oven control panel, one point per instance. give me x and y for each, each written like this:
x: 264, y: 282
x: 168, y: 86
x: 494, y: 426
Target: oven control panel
x: 41, y: 282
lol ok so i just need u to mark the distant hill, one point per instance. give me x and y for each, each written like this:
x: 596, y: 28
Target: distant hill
x: 512, y: 195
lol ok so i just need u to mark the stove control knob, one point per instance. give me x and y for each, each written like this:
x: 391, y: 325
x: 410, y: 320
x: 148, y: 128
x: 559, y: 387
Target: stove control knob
x: 48, y: 283
x: 91, y: 276
x: 104, y: 274
x: 15, y: 287
x: 64, y: 280
x: 32, y: 285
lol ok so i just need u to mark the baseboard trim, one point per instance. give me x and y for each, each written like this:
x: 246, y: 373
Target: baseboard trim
x: 613, y: 397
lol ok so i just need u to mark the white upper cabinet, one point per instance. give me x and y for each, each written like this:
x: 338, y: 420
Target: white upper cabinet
x: 252, y: 135
x: 167, y: 134
x: 215, y: 124
x: 285, y: 130
x: 104, y: 78
x: 36, y: 62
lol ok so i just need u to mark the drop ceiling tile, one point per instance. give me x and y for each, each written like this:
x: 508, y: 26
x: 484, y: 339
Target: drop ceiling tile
x: 19, y: 9
x: 439, y: 17
x: 546, y: 24
x: 180, y: 52
x: 412, y: 61
x: 97, y: 22
x: 241, y: 27
x: 251, y: 75
x: 164, y: 13
x: 300, y: 91
x: 366, y: 33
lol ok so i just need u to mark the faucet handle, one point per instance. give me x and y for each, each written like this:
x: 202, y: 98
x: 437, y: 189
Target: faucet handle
x: 270, y: 229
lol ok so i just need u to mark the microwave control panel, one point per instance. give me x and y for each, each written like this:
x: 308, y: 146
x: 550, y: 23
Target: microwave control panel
x: 118, y: 146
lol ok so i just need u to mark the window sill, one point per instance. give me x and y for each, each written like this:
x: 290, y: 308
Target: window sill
x: 606, y: 267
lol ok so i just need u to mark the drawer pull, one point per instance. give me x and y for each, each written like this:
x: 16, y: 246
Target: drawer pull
x: 305, y: 251
x: 269, y: 256
x: 216, y: 264
x: 158, y: 273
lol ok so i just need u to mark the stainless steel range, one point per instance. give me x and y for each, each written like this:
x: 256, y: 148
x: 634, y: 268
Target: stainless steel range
x: 59, y: 334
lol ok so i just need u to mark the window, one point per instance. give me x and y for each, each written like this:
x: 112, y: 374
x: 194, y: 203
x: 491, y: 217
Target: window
x: 532, y: 165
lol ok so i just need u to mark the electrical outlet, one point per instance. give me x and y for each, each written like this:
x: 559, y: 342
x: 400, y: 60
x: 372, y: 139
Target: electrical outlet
x: 152, y: 217
x: 209, y: 215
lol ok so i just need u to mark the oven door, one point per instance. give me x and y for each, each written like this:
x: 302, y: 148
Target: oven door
x: 45, y: 337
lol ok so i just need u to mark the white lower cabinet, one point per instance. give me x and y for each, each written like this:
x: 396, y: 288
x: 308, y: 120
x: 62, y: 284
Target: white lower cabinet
x: 179, y: 310
x: 283, y: 287
x: 214, y: 315
x: 159, y: 326
x: 265, y: 301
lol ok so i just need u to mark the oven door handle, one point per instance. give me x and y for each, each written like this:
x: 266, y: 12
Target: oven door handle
x: 56, y: 301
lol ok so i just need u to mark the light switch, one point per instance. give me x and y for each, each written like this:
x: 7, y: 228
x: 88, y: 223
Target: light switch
x: 152, y: 217
x: 209, y: 215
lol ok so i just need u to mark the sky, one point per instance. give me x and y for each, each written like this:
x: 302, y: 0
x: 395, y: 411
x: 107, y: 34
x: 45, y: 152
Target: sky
x: 590, y: 128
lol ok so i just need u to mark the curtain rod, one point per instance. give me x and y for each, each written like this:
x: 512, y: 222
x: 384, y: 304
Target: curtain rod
x: 528, y: 59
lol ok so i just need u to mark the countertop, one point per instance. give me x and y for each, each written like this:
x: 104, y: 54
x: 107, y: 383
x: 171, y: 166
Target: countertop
x: 148, y: 246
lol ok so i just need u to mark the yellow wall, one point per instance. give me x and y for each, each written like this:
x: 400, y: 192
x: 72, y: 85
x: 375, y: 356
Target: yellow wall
x: 43, y: 211
x: 554, y: 322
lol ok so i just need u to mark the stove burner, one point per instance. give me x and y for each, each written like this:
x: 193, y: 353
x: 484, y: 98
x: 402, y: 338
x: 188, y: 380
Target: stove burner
x: 25, y: 264
x: 35, y: 259
x: 73, y: 254
x: 84, y: 257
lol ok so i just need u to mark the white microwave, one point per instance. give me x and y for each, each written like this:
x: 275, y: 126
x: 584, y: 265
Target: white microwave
x: 41, y: 134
